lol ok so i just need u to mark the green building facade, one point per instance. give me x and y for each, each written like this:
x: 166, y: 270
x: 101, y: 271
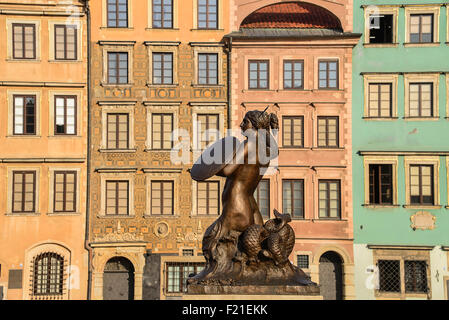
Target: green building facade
x: 401, y: 149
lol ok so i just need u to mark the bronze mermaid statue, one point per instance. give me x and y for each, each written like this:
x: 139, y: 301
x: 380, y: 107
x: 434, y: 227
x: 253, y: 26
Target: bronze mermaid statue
x: 238, y: 247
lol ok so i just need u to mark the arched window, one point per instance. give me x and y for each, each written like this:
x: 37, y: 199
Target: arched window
x: 48, y: 274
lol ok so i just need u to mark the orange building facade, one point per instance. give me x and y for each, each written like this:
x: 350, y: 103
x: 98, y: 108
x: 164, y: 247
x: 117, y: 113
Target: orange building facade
x: 43, y: 143
x: 295, y: 57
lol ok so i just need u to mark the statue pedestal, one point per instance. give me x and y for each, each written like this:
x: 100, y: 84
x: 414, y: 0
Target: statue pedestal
x: 252, y: 292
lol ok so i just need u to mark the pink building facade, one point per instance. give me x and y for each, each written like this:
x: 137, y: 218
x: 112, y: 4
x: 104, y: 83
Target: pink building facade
x: 295, y: 57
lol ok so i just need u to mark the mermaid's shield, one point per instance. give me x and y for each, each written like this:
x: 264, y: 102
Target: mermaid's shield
x: 215, y: 158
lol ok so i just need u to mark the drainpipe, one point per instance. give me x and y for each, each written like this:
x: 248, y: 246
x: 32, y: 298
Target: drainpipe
x: 229, y: 83
x: 89, y: 98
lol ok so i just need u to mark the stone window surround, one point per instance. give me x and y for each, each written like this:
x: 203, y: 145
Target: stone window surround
x: 162, y: 47
x: 163, y: 271
x: 430, y: 160
x: 30, y: 254
x: 79, y: 37
x: 220, y: 16
x: 393, y: 10
x: 9, y: 44
x: 194, y: 213
x: 117, y: 108
x: 416, y: 78
x: 51, y: 186
x: 10, y: 102
x: 104, y: 16
x: 118, y: 175
x: 162, y: 107
x: 420, y: 9
x: 125, y: 47
x: 387, y: 78
x: 37, y: 207
x: 393, y: 160
x: 163, y: 175
x: 403, y: 255
x: 175, y: 13
x: 51, y: 111
x: 208, y: 48
x: 209, y: 108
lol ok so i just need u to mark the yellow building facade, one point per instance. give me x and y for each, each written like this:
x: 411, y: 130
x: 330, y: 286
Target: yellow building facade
x: 156, y: 66
x: 43, y: 143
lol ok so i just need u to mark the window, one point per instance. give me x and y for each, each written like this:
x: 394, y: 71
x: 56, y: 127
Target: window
x: 329, y: 199
x: 162, y: 197
x: 293, y: 198
x: 48, y: 274
x: 381, y: 28
x: 207, y: 14
x: 381, y: 184
x: 65, y: 115
x: 208, y: 129
x: 65, y: 42
x: 162, y: 68
x: 117, y: 197
x: 163, y: 14
x: 389, y: 275
x: 162, y: 126
x: 328, y: 74
x: 208, y: 197
x: 65, y: 191
x: 293, y: 74
x: 24, y: 41
x: 24, y: 192
x: 302, y: 261
x: 117, y: 131
x: 328, y: 132
x: 188, y: 252
x: 117, y: 67
x: 380, y: 100
x: 117, y: 13
x: 421, y: 185
x: 208, y: 68
x: 24, y: 115
x: 421, y: 28
x: 292, y: 131
x: 258, y: 74
x: 421, y: 99
x: 415, y: 276
x: 178, y: 273
x: 262, y: 196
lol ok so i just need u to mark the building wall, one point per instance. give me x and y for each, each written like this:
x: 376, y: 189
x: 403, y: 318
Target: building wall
x: 141, y: 232
x: 24, y: 236
x: 400, y: 140
x: 314, y: 236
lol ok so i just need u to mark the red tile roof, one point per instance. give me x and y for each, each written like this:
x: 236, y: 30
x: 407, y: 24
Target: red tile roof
x: 292, y: 15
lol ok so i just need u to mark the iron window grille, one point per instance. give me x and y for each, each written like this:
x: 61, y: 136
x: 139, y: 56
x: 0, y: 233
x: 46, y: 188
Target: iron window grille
x: 177, y: 274
x: 163, y: 14
x: 117, y: 13
x: 66, y: 42
x: 64, y: 191
x: 262, y: 197
x: 24, y: 41
x: 380, y: 102
x: 389, y: 275
x: 207, y: 14
x: 24, y: 115
x: 65, y: 115
x: 293, y: 74
x: 302, y: 261
x: 415, y: 276
x: 258, y: 74
x: 48, y: 274
x: 293, y: 198
x: 162, y: 197
x: 24, y: 192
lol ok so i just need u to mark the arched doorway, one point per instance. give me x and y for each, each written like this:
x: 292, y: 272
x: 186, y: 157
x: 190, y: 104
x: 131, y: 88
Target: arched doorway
x: 118, y: 279
x: 331, y: 276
